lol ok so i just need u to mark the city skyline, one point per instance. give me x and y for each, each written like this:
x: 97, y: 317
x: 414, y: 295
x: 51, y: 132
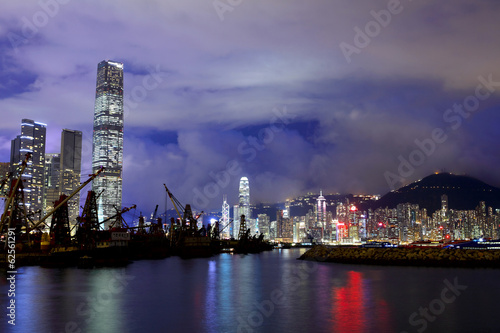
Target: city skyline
x: 320, y: 102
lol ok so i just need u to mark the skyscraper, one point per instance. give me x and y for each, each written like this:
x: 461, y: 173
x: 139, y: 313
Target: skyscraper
x: 225, y: 217
x: 107, y: 141
x: 52, y: 180
x: 244, y: 196
x: 235, y: 227
x: 321, y: 211
x: 31, y: 140
x: 70, y: 170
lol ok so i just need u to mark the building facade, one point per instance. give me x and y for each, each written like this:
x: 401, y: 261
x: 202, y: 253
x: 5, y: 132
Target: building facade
x: 52, y: 180
x: 225, y: 218
x: 321, y: 211
x: 70, y: 170
x: 244, y: 198
x: 107, y: 141
x: 31, y: 140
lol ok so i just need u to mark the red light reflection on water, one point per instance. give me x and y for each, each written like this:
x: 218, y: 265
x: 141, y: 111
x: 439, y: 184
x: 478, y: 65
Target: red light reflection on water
x: 356, y: 309
x: 348, y: 310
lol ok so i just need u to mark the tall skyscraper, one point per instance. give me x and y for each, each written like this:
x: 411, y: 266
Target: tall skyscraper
x: 70, y: 170
x: 321, y: 211
x: 444, y: 205
x: 235, y: 227
x: 225, y: 217
x: 107, y: 141
x: 52, y: 180
x: 31, y: 140
x: 244, y: 196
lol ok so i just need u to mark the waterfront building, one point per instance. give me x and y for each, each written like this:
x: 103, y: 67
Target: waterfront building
x: 321, y: 211
x: 4, y: 170
x: 52, y: 175
x: 225, y: 218
x: 244, y: 198
x: 236, y: 222
x: 264, y: 225
x: 31, y: 140
x: 70, y: 171
x: 284, y: 227
x: 107, y: 140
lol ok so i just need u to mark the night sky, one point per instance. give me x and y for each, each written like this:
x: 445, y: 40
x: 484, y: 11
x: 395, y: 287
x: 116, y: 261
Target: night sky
x: 296, y: 95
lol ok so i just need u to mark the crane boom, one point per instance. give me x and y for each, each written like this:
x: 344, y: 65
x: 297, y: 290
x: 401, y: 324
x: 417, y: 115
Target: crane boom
x: 170, y: 195
x: 69, y: 197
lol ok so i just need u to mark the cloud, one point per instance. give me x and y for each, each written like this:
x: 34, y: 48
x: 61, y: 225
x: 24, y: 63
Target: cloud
x: 197, y: 88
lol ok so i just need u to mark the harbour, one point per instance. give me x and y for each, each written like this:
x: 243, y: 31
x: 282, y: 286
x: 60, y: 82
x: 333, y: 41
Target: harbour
x: 267, y: 292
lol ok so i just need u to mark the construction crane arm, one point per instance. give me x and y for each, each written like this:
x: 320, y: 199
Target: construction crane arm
x: 175, y: 202
x: 123, y: 211
x: 69, y: 197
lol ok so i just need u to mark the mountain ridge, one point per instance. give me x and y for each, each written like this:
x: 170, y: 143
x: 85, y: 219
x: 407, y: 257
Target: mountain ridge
x: 464, y: 193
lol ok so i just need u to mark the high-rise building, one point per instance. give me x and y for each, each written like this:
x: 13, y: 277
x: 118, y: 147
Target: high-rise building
x: 235, y: 227
x: 107, y: 141
x: 4, y: 169
x: 52, y: 180
x: 62, y: 174
x: 244, y: 196
x: 4, y: 173
x: 444, y: 205
x: 285, y: 227
x: 321, y: 211
x: 225, y: 218
x: 70, y: 170
x: 31, y: 140
x: 264, y: 225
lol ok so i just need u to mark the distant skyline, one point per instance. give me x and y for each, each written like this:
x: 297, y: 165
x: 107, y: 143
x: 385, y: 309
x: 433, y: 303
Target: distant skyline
x: 349, y: 97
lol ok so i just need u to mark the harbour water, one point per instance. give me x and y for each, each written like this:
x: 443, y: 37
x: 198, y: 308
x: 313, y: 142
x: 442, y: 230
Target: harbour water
x: 266, y: 292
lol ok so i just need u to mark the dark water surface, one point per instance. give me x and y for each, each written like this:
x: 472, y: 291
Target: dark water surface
x: 267, y: 292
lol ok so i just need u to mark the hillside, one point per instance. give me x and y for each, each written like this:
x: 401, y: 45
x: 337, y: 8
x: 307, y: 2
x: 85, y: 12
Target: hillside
x: 464, y: 193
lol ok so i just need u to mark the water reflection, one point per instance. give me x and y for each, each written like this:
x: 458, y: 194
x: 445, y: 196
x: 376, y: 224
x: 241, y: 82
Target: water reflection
x: 348, y: 310
x: 357, y: 308
x: 230, y: 292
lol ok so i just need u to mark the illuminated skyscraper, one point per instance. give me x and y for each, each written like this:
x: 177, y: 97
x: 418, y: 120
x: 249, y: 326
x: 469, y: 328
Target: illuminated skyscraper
x: 244, y: 196
x: 235, y: 227
x: 107, y: 141
x: 31, y: 140
x: 225, y: 217
x: 70, y: 170
x: 444, y: 205
x: 52, y: 180
x: 321, y: 211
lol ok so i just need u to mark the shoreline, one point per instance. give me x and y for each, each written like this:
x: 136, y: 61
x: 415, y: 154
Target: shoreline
x: 403, y: 256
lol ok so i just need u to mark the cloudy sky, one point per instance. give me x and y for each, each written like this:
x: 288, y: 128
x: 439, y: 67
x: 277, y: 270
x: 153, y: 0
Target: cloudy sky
x: 346, y: 96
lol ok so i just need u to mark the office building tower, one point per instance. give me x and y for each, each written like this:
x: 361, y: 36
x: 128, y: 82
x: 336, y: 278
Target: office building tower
x: 31, y: 140
x: 286, y: 212
x: 236, y: 222
x: 52, y: 180
x: 264, y: 225
x: 4, y: 173
x: 107, y: 141
x: 244, y: 198
x: 321, y: 211
x: 4, y: 170
x: 285, y: 227
x: 225, y: 218
x: 444, y: 206
x: 70, y: 170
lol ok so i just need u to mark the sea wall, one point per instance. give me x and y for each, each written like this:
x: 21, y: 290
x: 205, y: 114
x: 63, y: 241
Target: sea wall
x: 401, y: 256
